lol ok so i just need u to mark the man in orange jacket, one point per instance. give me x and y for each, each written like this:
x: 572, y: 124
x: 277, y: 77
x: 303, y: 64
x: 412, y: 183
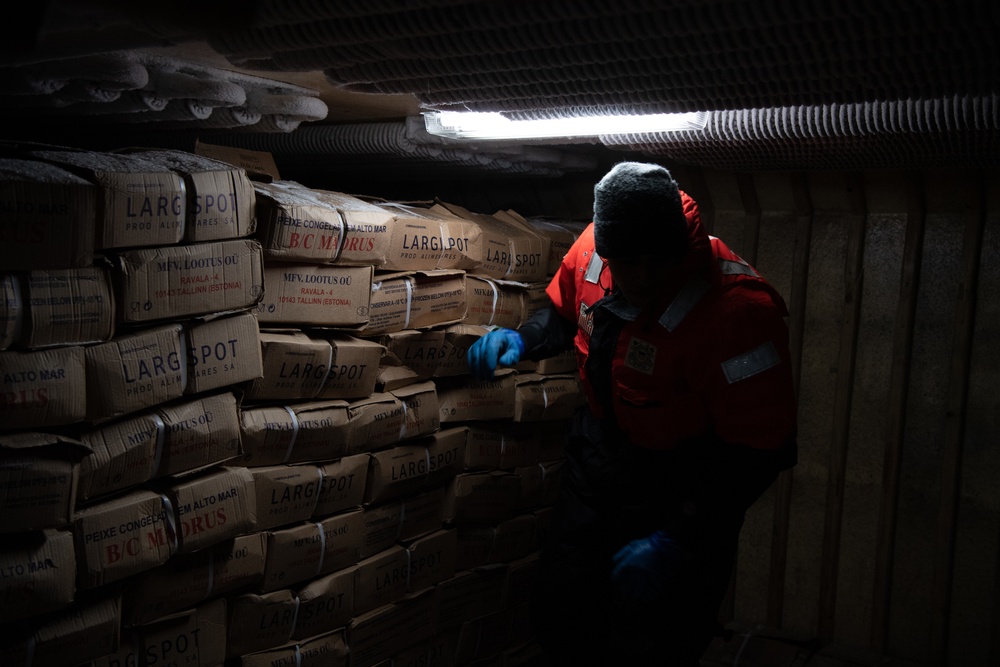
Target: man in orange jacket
x: 683, y: 354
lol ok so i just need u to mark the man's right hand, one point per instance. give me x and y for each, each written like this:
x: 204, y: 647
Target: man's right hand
x: 500, y: 347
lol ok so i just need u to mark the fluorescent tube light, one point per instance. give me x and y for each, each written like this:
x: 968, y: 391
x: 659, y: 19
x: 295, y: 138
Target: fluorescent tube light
x: 478, y: 125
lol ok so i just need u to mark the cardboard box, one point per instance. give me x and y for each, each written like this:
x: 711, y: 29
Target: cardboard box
x: 482, y: 496
x: 513, y: 539
x: 401, y: 243
x: 483, y: 637
x: 407, y: 469
x: 199, y: 433
x: 141, y: 203
x: 285, y: 494
x: 48, y: 217
x: 294, y: 554
x: 496, y: 303
x: 537, y: 298
x: 410, y: 356
x: 383, y: 632
x: 461, y: 242
x: 267, y: 434
x: 38, y: 479
x: 396, y: 472
x: 12, y: 309
x: 345, y: 536
x: 471, y: 594
x: 298, y: 224
x: 192, y: 637
x: 220, y: 199
x: 325, y: 227
x: 311, y: 294
x: 136, y: 371
x: 222, y: 352
x: 432, y: 559
x: 539, y: 483
x: 375, y: 422
x: 381, y: 528
x: 354, y: 369
x: 44, y: 388
x: 326, y: 650
x: 464, y: 399
x: 511, y: 250
x: 39, y: 573
x: 381, y: 579
x: 522, y: 580
x: 302, y: 366
x: 82, y: 632
x: 474, y: 542
x: 123, y: 536
x: 420, y: 409
x: 67, y: 307
x: 500, y: 445
x: 175, y: 282
x: 259, y: 165
x: 561, y: 237
x: 323, y: 431
x: 325, y: 604
x: 414, y: 300
x: 502, y: 542
x: 295, y: 366
x: 189, y: 579
x: 425, y: 241
x: 260, y: 622
x: 212, y: 507
x: 343, y: 485
x: 532, y: 484
x: 546, y: 397
x: 172, y: 439
x: 314, y: 431
x: 423, y: 513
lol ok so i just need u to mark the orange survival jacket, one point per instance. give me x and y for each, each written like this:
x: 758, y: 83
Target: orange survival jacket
x: 713, y: 361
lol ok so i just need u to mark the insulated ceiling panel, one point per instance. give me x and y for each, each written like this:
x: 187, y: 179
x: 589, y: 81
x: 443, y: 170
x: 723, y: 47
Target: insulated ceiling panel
x: 791, y: 84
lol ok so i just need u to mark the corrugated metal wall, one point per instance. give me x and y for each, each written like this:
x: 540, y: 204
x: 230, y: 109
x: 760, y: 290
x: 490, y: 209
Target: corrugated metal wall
x: 885, y: 536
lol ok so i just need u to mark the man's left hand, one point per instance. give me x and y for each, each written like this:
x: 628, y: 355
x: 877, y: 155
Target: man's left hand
x: 646, y: 567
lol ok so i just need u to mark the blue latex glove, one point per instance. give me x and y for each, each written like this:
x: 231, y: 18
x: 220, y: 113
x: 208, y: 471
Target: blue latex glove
x: 500, y: 347
x: 645, y: 568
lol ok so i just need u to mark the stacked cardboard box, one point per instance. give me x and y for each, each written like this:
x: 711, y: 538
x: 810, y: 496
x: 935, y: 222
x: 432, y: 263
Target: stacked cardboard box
x: 128, y: 283
x: 269, y: 449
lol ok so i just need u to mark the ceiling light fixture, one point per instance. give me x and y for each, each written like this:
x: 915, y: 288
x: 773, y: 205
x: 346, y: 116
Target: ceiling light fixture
x: 494, y: 126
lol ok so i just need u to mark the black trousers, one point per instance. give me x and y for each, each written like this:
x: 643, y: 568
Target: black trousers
x: 613, y: 493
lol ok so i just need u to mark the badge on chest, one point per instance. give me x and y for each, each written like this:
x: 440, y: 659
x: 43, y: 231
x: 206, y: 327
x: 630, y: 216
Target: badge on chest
x: 640, y: 356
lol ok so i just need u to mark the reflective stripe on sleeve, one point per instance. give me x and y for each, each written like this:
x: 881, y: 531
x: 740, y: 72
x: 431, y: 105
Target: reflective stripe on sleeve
x: 750, y: 363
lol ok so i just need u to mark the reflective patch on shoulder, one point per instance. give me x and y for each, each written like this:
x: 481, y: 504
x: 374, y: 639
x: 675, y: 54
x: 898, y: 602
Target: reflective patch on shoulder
x: 641, y: 356
x: 593, y: 274
x: 732, y: 268
x: 750, y: 363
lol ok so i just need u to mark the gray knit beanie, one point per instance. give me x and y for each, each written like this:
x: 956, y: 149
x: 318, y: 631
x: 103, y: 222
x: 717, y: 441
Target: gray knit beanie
x: 638, y: 211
